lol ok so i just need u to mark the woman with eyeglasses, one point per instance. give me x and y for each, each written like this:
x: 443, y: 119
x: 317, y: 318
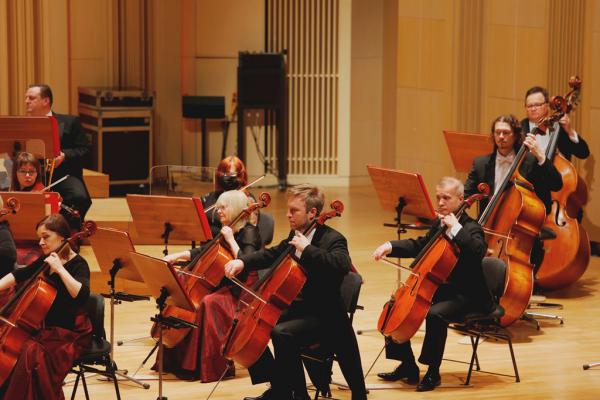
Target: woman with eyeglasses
x: 46, y: 358
x: 27, y: 174
x: 199, y: 356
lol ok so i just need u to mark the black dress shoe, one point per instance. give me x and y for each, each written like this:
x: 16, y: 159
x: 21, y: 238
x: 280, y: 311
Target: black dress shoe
x: 429, y: 382
x: 409, y: 373
x: 269, y: 394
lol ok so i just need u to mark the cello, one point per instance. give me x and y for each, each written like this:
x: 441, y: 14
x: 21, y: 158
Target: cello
x: 250, y: 332
x: 568, y: 255
x: 404, y: 313
x: 206, y: 271
x: 23, y: 315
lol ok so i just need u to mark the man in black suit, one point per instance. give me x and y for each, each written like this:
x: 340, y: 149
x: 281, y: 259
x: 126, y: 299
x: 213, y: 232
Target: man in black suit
x: 492, y: 168
x: 74, y: 146
x: 570, y: 143
x: 318, y: 313
x: 464, y: 291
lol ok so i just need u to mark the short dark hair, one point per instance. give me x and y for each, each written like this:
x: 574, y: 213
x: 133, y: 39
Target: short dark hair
x: 45, y: 91
x: 515, y: 127
x: 537, y: 89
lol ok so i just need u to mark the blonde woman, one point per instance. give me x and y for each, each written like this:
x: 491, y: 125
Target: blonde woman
x: 198, y: 356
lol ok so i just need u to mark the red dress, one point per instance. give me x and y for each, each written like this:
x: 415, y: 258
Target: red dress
x: 198, y: 355
x: 47, y: 357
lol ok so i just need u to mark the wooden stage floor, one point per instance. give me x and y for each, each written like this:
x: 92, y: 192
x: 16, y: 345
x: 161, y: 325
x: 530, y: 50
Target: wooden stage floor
x: 550, y: 360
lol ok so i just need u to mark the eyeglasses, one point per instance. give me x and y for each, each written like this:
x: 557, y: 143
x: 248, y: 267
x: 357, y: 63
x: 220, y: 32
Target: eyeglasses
x: 26, y: 172
x: 502, y: 133
x: 534, y: 105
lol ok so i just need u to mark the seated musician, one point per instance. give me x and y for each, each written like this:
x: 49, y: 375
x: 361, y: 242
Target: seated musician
x: 74, y: 146
x: 27, y: 173
x: 570, y: 143
x: 231, y: 175
x: 198, y: 356
x: 317, y: 313
x: 465, y: 290
x: 45, y: 358
x: 493, y: 167
x: 8, y: 251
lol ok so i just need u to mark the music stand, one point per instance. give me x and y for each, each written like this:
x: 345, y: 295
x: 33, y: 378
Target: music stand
x: 465, y: 147
x: 169, y: 217
x: 112, y: 248
x: 32, y: 210
x: 163, y: 284
x: 36, y: 135
x: 400, y: 191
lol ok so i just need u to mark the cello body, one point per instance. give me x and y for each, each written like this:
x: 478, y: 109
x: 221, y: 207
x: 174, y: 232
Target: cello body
x: 209, y: 268
x: 515, y: 222
x: 403, y: 315
x: 568, y: 255
x: 251, y: 332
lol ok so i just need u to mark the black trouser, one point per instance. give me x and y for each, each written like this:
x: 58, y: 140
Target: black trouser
x: 75, y: 195
x: 447, y: 306
x: 298, y: 328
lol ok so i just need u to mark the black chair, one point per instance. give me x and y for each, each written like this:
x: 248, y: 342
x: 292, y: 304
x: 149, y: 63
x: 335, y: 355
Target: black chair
x: 480, y: 325
x: 266, y: 228
x: 318, y: 360
x: 99, y: 351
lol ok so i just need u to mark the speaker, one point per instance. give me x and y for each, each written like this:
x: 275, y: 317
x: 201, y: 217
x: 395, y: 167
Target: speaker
x: 203, y: 107
x: 261, y: 80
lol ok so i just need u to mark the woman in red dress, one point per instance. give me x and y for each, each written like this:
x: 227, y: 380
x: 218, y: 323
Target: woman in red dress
x: 198, y: 356
x: 47, y: 357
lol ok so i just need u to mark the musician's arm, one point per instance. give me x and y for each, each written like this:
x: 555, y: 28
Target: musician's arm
x: 7, y: 281
x: 8, y: 250
x: 335, y: 258
x: 77, y: 146
x: 77, y: 283
x: 470, y: 239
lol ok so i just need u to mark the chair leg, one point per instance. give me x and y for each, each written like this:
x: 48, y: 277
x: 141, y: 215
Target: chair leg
x: 85, y: 389
x: 112, y: 367
x: 514, y: 361
x: 473, y: 356
x: 477, y: 366
x: 75, y: 386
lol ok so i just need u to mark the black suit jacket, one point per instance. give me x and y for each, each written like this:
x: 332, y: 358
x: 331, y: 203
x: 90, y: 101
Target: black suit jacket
x: 74, y: 143
x: 326, y: 261
x: 467, y: 275
x: 544, y: 178
x: 566, y: 147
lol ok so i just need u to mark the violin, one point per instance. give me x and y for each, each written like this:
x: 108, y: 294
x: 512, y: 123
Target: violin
x: 206, y: 271
x: 23, y: 315
x: 568, y: 255
x: 250, y: 332
x: 404, y: 313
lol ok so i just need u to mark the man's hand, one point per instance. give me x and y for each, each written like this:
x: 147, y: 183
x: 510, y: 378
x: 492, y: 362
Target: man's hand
x: 299, y: 241
x: 382, y: 251
x: 448, y: 220
x: 534, y: 148
x: 565, y: 122
x: 233, y: 267
x: 59, y: 160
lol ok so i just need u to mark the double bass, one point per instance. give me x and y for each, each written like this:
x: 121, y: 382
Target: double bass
x: 250, y: 332
x: 404, y: 313
x: 204, y: 274
x: 567, y: 256
x: 512, y: 221
x: 23, y: 315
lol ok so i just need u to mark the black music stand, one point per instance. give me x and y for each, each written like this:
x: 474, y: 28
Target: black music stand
x: 399, y: 192
x: 203, y: 108
x: 112, y: 248
x: 163, y: 284
x: 166, y: 217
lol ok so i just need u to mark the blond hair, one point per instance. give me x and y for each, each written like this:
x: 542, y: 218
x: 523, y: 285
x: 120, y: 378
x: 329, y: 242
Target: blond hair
x: 235, y: 201
x: 312, y: 195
